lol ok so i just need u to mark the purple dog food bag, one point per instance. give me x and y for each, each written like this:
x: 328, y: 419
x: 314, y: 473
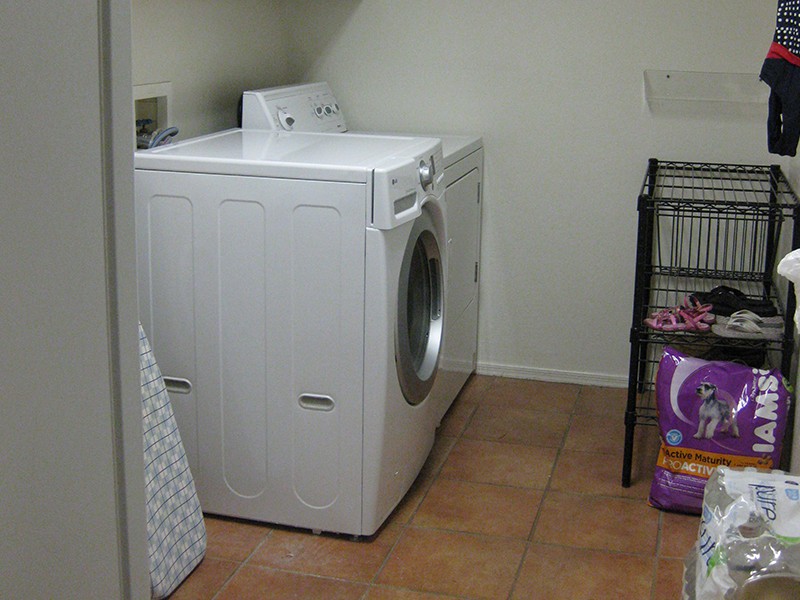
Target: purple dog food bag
x: 713, y: 413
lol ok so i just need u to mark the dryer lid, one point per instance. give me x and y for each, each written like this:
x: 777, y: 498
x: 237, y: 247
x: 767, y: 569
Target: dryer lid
x: 319, y: 156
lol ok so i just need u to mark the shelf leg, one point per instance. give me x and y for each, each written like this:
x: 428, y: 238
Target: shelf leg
x: 627, y: 457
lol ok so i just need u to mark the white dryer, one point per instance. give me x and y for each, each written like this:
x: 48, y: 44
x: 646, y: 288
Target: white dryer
x: 293, y: 286
x: 313, y: 107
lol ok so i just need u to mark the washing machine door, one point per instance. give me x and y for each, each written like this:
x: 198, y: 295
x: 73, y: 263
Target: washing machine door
x: 418, y: 340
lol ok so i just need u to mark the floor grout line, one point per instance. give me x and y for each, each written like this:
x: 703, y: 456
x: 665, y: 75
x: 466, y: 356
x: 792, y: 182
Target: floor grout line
x: 242, y: 563
x: 546, y: 490
x: 654, y: 571
x: 433, y: 477
x: 553, y: 468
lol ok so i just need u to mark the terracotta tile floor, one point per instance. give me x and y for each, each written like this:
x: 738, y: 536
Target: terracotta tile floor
x: 520, y: 499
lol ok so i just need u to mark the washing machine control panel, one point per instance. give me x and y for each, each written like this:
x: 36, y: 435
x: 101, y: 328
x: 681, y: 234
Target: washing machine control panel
x: 403, y: 184
x: 311, y: 107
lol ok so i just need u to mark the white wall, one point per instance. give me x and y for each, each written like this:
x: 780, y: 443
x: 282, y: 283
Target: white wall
x: 72, y: 519
x: 210, y: 51
x: 556, y: 89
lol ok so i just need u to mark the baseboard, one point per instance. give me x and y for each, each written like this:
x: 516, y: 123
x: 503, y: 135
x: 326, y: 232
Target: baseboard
x: 577, y: 377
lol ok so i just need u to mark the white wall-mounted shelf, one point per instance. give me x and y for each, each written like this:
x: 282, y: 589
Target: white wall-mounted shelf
x: 671, y: 88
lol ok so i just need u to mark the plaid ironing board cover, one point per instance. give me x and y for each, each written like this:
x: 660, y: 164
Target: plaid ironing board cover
x: 176, y: 532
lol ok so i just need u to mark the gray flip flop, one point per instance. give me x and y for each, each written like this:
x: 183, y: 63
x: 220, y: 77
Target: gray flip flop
x: 744, y: 328
x: 751, y: 316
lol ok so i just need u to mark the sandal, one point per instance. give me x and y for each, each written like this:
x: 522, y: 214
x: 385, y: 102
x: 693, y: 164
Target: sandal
x: 728, y: 300
x: 751, y: 316
x: 690, y: 304
x: 676, y: 319
x: 744, y: 328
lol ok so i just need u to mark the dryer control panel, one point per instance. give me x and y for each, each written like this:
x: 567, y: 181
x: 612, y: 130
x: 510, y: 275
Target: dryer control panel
x: 311, y: 107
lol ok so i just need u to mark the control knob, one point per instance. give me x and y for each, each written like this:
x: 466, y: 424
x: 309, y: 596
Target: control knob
x: 426, y: 173
x: 286, y: 120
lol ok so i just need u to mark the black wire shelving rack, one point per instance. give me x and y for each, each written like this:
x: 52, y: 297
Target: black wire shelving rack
x: 702, y: 225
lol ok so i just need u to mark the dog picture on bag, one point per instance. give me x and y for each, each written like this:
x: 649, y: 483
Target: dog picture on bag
x: 714, y: 411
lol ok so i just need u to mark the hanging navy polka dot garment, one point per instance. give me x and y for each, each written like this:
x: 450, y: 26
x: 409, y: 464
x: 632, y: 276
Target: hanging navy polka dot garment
x: 787, y: 25
x: 781, y: 71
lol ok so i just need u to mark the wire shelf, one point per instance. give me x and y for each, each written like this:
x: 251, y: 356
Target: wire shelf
x: 703, y: 225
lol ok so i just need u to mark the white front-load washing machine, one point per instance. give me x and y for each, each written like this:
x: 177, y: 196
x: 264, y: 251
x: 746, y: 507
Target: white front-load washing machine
x: 313, y: 107
x: 292, y: 286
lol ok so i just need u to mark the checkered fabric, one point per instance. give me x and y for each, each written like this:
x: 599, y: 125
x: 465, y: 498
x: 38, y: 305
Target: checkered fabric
x: 176, y: 533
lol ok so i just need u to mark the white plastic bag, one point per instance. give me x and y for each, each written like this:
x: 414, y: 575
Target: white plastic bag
x: 789, y: 267
x: 750, y: 531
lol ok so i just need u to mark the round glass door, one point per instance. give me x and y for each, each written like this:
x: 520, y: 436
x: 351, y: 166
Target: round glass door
x: 419, y: 312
